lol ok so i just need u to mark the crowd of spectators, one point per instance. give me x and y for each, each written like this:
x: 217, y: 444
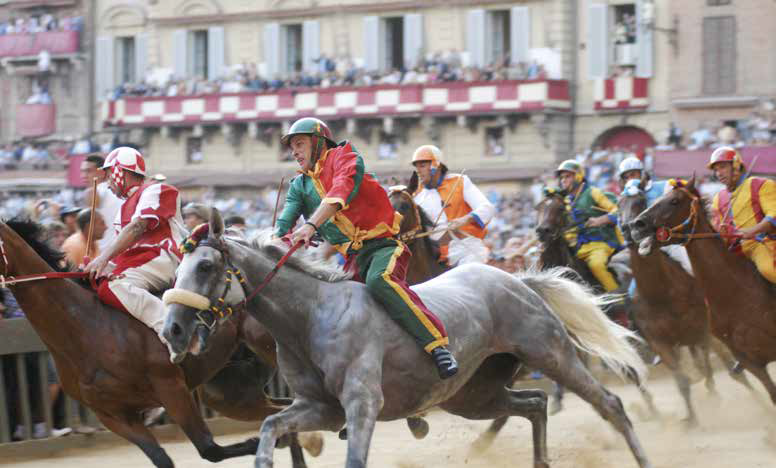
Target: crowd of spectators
x: 41, y: 22
x: 435, y: 68
x: 28, y: 156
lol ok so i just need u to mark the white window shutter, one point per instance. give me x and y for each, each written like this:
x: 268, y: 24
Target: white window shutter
x: 272, y: 49
x: 180, y: 53
x: 104, y: 66
x: 413, y: 39
x: 644, y: 44
x: 311, y: 48
x: 598, y: 41
x: 371, y: 43
x: 520, y: 34
x: 475, y: 36
x: 141, y: 56
x: 215, y: 52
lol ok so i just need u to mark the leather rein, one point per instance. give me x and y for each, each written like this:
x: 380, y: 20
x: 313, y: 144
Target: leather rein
x: 665, y: 234
x: 6, y: 280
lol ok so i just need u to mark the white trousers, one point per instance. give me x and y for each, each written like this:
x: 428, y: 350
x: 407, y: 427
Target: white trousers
x: 467, y: 250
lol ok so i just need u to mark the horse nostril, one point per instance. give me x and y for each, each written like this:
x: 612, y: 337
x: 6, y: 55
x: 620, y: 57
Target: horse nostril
x: 638, y: 224
x: 176, y: 330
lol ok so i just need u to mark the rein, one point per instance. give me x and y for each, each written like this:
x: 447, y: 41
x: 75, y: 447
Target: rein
x: 665, y: 234
x: 6, y: 280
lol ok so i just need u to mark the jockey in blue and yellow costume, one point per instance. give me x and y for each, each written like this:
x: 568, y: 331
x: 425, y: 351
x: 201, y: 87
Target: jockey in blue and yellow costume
x: 593, y: 214
x: 350, y: 209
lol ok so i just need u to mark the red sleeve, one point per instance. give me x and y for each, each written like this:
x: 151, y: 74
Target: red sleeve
x: 157, y: 203
x: 344, y: 166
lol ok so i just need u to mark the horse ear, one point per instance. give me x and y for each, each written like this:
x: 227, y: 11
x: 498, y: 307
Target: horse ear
x: 644, y: 180
x: 216, y: 223
x: 691, y: 183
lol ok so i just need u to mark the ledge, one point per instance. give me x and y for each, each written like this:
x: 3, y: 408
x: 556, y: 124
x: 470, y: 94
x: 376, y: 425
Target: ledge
x: 715, y: 101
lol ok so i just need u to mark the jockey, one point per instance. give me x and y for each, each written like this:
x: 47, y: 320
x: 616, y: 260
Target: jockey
x: 465, y: 213
x: 746, y: 205
x: 349, y: 208
x: 144, y: 255
x: 594, y: 214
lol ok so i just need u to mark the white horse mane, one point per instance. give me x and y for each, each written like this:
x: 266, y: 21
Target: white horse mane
x: 301, y: 260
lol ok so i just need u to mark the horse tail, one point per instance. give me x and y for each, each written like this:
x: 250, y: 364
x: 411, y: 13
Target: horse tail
x: 589, y: 328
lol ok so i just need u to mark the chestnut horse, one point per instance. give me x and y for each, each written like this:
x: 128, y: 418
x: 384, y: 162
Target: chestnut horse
x: 741, y: 302
x: 117, y: 366
x: 671, y: 310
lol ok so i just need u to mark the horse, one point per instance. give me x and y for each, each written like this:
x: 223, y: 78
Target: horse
x: 551, y: 226
x: 115, y: 365
x: 349, y: 363
x: 671, y: 311
x: 424, y: 263
x: 743, y: 320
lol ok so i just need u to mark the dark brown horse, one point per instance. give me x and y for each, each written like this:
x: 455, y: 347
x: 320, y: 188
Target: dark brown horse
x: 424, y: 263
x: 671, y: 310
x: 116, y: 365
x: 741, y: 302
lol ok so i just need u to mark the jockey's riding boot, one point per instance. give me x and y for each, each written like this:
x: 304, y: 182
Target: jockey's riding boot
x: 445, y: 362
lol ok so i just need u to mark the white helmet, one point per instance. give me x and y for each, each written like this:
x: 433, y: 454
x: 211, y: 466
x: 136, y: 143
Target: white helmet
x: 630, y: 164
x: 126, y: 158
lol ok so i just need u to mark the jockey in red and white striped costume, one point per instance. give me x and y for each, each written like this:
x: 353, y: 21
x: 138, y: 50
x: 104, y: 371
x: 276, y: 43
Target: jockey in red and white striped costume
x: 144, y: 255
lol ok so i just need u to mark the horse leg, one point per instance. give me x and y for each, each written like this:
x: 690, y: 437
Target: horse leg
x: 486, y: 439
x: 557, y: 398
x: 562, y: 364
x: 700, y: 355
x: 418, y: 426
x: 362, y: 403
x: 180, y: 405
x: 136, y: 432
x: 760, y: 372
x: 726, y: 356
x: 670, y: 356
x: 303, y: 415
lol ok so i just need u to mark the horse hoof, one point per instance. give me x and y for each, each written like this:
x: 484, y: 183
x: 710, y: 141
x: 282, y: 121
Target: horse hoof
x: 555, y: 408
x: 541, y: 464
x: 312, y: 442
x: 418, y: 427
x: 483, y: 442
x: 689, y: 423
x: 343, y: 434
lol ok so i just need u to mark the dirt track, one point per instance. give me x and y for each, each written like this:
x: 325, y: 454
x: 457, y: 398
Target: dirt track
x: 735, y: 431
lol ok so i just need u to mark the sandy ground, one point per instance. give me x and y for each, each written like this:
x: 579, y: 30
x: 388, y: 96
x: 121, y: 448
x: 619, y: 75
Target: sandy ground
x: 735, y: 431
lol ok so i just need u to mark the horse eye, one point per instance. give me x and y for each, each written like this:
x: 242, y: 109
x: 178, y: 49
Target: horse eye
x: 204, y: 266
x: 674, y: 202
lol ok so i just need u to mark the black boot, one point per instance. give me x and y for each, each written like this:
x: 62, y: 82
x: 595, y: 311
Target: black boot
x: 445, y: 362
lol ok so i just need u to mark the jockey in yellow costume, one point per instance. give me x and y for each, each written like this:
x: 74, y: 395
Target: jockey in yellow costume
x: 593, y: 214
x: 746, y: 205
x: 457, y: 205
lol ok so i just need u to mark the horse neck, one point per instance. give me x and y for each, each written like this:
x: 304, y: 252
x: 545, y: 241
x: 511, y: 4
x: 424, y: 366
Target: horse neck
x: 718, y: 270
x: 652, y: 272
x: 53, y: 307
x: 281, y: 306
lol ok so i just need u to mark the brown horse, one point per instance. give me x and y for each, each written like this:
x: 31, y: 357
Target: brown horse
x: 741, y: 302
x: 424, y: 263
x: 671, y: 310
x: 116, y: 365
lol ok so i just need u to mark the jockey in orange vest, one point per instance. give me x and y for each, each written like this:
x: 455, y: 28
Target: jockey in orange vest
x: 746, y: 205
x: 457, y: 204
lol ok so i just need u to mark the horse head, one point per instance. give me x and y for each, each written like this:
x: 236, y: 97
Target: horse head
x: 206, y: 287
x: 402, y: 202
x: 552, y: 216
x: 632, y: 202
x: 677, y: 210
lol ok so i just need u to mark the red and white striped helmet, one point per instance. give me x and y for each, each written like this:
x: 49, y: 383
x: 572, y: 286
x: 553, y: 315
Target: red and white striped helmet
x: 126, y: 158
x: 726, y: 154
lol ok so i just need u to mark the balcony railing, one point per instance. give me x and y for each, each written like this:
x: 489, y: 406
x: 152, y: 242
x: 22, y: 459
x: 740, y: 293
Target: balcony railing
x: 34, y: 120
x: 342, y: 102
x: 622, y: 93
x: 23, y: 45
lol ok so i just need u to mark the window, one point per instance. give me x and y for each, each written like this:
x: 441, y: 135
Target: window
x: 387, y: 149
x: 293, y: 45
x: 125, y: 63
x: 718, y: 2
x: 198, y: 54
x: 494, y: 141
x: 625, y: 38
x: 394, y: 44
x: 499, y: 39
x: 719, y: 55
x: 194, y: 150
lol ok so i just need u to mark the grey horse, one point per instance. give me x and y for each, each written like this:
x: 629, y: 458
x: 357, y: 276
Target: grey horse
x: 349, y: 364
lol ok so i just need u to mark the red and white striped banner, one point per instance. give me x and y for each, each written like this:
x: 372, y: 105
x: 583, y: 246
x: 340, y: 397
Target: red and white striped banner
x: 621, y: 93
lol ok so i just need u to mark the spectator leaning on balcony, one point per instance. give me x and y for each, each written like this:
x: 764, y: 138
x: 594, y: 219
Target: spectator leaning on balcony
x: 457, y: 204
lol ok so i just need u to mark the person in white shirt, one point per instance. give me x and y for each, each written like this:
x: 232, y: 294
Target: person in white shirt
x: 108, y: 204
x: 462, y: 211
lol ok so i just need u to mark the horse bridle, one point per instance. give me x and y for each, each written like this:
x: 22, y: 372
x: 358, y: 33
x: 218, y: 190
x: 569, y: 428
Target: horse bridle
x: 410, y: 235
